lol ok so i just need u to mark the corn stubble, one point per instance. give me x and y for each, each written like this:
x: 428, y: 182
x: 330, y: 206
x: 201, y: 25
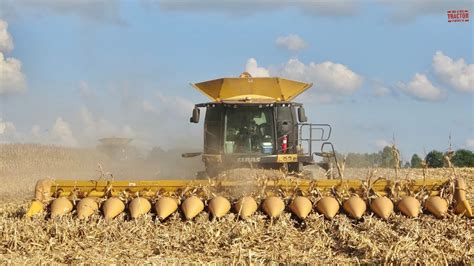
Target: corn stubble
x: 405, y: 231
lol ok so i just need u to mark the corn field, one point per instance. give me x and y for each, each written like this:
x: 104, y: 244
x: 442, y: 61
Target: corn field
x: 228, y: 240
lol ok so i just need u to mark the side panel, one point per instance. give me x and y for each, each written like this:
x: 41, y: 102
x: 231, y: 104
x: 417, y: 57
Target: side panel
x: 286, y: 124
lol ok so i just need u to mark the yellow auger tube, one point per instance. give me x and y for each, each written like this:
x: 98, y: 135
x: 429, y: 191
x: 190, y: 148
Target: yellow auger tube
x: 82, y: 189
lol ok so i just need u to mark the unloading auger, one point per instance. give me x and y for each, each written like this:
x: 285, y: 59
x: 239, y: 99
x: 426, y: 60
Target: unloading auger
x: 252, y: 122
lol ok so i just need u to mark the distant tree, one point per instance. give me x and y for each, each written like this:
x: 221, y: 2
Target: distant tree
x: 434, y: 159
x: 407, y: 165
x: 415, y: 161
x: 386, y: 157
x: 463, y: 158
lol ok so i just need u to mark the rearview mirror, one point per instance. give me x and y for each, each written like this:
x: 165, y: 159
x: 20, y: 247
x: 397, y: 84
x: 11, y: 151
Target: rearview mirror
x: 302, y: 115
x: 195, y: 117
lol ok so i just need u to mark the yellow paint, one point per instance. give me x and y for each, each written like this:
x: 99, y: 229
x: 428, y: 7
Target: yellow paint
x: 287, y: 158
x: 149, y: 188
x: 252, y: 89
x: 35, y: 208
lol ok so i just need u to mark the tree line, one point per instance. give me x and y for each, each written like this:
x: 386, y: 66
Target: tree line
x: 385, y: 158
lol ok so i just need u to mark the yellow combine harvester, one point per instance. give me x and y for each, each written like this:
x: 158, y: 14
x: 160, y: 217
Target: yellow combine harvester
x: 252, y: 122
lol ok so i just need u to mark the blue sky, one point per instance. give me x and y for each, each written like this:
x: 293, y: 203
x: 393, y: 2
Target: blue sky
x: 94, y: 69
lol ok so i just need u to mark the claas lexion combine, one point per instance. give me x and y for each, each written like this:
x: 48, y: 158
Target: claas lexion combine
x: 253, y: 122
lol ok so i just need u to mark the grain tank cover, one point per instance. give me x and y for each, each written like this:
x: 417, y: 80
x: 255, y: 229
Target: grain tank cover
x: 248, y: 88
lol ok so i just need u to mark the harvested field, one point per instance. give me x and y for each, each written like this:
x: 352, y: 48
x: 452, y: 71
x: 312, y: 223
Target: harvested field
x: 227, y: 240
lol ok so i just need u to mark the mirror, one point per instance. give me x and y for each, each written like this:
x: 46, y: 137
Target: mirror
x: 302, y: 115
x: 195, y: 117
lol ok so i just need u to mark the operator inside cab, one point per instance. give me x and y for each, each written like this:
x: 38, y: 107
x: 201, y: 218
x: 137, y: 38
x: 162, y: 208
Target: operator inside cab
x: 249, y: 131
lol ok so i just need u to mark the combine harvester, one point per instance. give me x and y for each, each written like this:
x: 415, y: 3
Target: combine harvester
x: 252, y: 122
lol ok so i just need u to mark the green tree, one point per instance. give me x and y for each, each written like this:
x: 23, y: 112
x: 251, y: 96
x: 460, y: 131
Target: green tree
x: 463, y: 158
x: 386, y: 157
x: 434, y: 159
x: 415, y: 161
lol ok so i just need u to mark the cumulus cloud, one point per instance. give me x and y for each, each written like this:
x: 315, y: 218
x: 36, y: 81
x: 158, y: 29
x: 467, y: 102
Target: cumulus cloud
x: 254, y: 70
x: 61, y: 133
x: 107, y: 11
x: 327, y: 76
x: 332, y: 80
x: 291, y: 42
x: 6, y: 127
x: 244, y: 7
x: 12, y: 78
x: 399, y: 11
x: 458, y: 74
x: 6, y: 41
x: 407, y: 11
x: 379, y: 89
x: 421, y: 88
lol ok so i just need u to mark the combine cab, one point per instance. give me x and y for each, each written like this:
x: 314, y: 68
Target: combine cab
x: 253, y: 122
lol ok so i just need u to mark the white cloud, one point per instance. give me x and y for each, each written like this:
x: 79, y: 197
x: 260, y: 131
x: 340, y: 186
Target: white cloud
x: 457, y: 74
x: 399, y: 11
x: 379, y: 89
x: 254, y: 70
x: 381, y: 143
x: 407, y: 11
x: 331, y: 80
x: 291, y: 42
x: 6, y: 127
x: 245, y: 7
x: 62, y: 133
x: 470, y: 144
x: 88, y: 10
x: 327, y: 76
x: 6, y: 41
x: 421, y: 88
x: 11, y: 78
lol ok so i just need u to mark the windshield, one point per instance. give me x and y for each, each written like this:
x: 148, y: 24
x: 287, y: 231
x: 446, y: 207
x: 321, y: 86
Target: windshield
x: 249, y: 130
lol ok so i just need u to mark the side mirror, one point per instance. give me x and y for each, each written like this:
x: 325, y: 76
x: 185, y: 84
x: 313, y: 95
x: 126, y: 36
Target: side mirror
x: 302, y: 115
x: 195, y: 117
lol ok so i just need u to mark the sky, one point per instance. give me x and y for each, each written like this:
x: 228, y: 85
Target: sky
x: 383, y: 71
